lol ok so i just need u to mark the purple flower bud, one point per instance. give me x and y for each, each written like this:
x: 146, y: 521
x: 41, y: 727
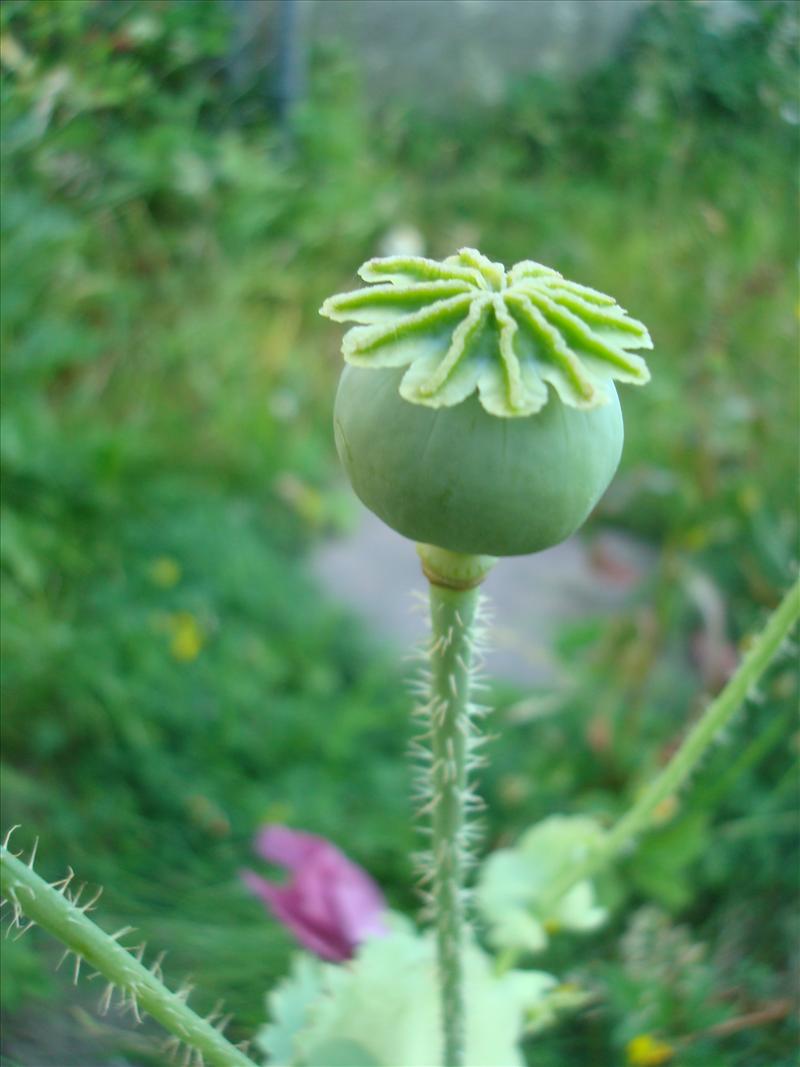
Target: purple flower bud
x: 330, y: 904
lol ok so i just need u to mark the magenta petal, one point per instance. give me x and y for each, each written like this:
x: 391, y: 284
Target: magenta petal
x: 288, y: 848
x: 330, y: 904
x: 282, y: 902
x: 360, y: 906
x: 255, y: 883
x: 356, y: 901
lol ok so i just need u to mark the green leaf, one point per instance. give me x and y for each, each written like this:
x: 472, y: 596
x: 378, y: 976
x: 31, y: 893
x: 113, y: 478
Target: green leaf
x: 660, y: 867
x: 340, y: 1053
x: 514, y: 892
x: 290, y: 1005
x: 384, y: 1008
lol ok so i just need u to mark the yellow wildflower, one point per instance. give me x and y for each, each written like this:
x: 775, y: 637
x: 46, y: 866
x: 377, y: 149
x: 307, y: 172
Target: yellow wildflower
x: 187, y: 637
x: 165, y: 572
x: 644, y: 1050
x: 696, y: 537
x: 749, y: 498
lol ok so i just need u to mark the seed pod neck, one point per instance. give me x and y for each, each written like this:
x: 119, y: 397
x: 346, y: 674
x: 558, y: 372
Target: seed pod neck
x: 454, y: 570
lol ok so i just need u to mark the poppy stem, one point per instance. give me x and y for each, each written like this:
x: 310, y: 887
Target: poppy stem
x: 706, y: 731
x: 138, y: 988
x: 454, y: 609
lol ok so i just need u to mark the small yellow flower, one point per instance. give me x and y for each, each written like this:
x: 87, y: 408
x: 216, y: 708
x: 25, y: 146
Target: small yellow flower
x: 696, y: 537
x: 644, y: 1050
x: 164, y: 572
x: 187, y: 637
x: 749, y: 498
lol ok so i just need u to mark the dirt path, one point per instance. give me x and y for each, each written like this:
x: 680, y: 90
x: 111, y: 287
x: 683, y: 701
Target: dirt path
x: 374, y: 570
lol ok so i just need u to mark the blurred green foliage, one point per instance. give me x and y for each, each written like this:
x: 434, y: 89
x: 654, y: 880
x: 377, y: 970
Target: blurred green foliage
x: 172, y: 677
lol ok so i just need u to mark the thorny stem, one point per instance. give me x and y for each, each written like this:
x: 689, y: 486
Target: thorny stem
x: 452, y: 612
x: 139, y: 987
x: 451, y: 615
x: 697, y: 742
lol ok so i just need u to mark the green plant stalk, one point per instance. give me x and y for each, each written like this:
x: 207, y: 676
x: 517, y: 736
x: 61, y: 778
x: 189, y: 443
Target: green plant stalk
x: 705, y: 732
x: 751, y: 756
x: 448, y: 750
x: 51, y: 908
x: 452, y: 618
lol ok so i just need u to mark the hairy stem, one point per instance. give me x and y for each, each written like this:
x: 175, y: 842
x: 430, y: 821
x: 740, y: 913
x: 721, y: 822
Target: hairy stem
x: 139, y: 988
x: 696, y: 744
x: 452, y: 613
x: 454, y: 598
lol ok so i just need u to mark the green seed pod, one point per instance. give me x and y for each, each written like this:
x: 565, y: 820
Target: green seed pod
x: 479, y: 412
x: 464, y: 480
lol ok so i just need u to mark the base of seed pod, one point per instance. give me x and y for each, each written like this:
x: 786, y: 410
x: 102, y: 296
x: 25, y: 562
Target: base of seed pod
x: 464, y: 480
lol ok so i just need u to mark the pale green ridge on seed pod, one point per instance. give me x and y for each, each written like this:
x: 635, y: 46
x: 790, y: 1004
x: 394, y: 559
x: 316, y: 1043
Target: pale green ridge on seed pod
x: 467, y: 324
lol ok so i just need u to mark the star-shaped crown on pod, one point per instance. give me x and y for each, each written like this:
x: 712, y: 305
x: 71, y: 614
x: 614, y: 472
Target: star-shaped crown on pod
x: 467, y: 323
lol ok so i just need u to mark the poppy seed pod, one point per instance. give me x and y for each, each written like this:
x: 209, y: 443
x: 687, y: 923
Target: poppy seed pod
x: 465, y: 480
x: 478, y: 412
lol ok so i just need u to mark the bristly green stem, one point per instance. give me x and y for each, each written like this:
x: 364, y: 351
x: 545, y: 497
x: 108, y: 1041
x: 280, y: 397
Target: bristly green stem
x: 697, y: 742
x: 452, y: 613
x: 454, y: 597
x: 139, y: 987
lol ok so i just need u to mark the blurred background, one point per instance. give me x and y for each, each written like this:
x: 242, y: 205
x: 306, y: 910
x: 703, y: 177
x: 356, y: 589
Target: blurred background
x: 202, y: 631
